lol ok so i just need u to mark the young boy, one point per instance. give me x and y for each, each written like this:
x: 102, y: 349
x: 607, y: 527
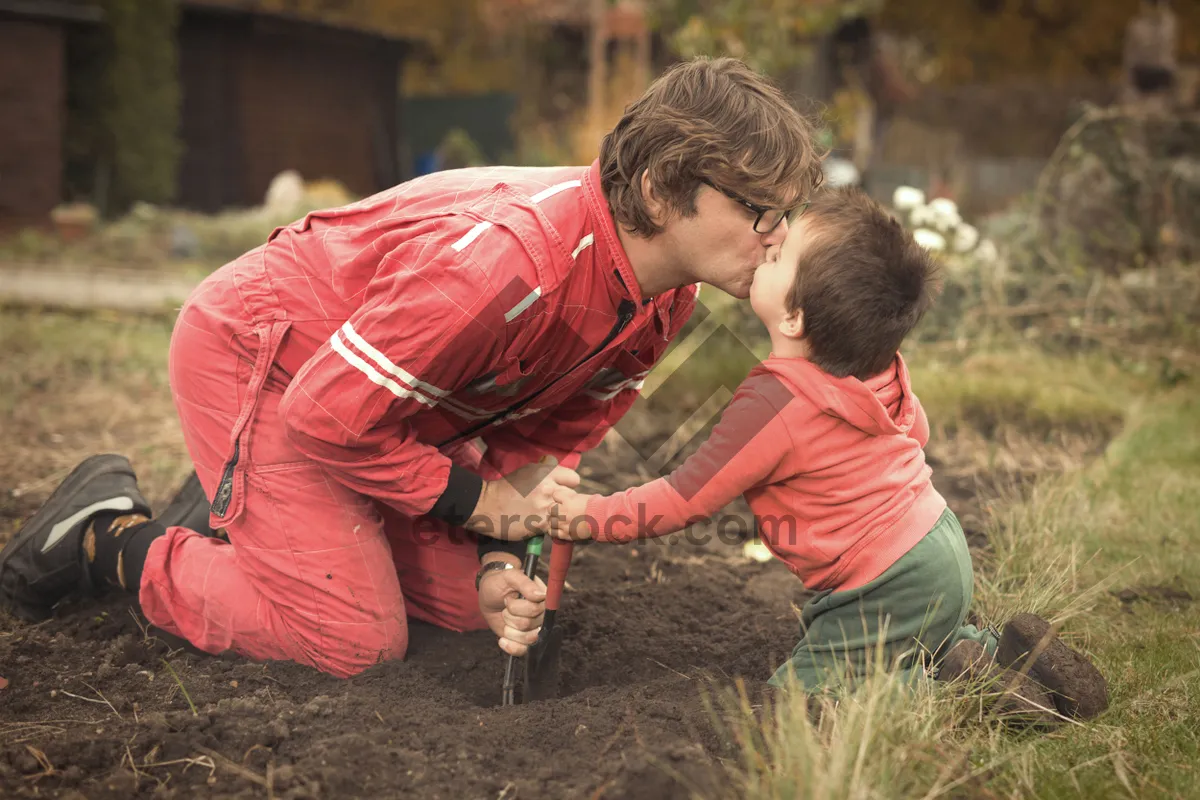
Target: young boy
x: 825, y: 439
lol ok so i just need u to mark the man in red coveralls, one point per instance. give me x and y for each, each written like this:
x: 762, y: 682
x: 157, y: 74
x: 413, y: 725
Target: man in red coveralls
x: 353, y: 391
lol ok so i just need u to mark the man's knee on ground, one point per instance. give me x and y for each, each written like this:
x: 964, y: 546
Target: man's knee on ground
x: 346, y: 648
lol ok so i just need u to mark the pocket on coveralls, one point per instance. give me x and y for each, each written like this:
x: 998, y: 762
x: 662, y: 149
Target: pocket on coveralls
x: 229, y: 497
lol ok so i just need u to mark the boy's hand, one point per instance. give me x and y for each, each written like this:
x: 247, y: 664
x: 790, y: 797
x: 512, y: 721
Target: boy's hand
x: 527, y: 495
x: 570, y: 522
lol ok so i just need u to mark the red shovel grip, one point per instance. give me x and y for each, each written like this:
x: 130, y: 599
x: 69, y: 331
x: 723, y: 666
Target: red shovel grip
x: 560, y: 561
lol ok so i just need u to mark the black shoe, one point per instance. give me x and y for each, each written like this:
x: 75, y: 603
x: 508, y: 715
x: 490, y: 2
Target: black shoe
x: 189, y: 509
x: 44, y: 561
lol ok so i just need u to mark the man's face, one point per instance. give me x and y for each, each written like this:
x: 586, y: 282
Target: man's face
x: 718, y: 245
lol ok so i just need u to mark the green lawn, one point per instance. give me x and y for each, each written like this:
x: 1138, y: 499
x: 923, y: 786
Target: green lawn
x: 1109, y: 547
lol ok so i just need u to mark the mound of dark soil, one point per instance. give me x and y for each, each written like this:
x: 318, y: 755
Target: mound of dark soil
x: 98, y: 707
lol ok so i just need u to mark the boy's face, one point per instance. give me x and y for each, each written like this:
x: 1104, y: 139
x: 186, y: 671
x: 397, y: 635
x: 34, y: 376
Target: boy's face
x: 774, y: 277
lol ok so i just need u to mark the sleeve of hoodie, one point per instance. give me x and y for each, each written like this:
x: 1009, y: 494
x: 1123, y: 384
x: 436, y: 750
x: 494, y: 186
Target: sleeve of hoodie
x: 744, y: 450
x: 426, y: 326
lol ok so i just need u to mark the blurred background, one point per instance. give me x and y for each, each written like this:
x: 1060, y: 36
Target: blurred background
x: 112, y: 106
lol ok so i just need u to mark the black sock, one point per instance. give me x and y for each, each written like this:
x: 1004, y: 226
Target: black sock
x: 115, y: 546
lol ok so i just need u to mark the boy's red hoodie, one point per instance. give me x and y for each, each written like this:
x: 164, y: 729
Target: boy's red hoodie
x: 833, y: 468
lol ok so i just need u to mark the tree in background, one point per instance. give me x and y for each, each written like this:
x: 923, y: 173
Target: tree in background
x: 141, y: 109
x: 981, y: 41
x: 464, y: 52
x: 832, y: 52
x: 773, y: 36
x: 122, y: 143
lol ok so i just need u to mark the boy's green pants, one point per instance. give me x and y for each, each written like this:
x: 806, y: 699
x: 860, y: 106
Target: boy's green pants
x: 915, y: 610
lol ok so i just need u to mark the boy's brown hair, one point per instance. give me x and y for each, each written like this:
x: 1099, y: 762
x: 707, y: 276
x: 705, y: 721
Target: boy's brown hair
x: 707, y: 118
x: 862, y: 284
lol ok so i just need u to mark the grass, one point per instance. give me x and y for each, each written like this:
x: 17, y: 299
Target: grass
x: 1135, y: 509
x: 1058, y: 547
x: 1025, y: 388
x: 884, y: 739
x: 167, y: 240
x: 74, y: 385
x: 183, y: 689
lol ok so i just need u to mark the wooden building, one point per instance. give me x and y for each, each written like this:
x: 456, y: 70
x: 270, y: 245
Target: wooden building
x: 33, y: 78
x: 261, y: 92
x: 264, y: 92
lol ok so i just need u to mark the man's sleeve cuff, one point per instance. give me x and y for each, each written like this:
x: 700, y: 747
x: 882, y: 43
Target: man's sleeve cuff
x: 489, y: 545
x: 458, y: 501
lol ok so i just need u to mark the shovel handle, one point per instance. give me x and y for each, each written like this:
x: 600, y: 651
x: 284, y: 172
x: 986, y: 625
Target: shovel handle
x: 560, y: 562
x: 533, y: 551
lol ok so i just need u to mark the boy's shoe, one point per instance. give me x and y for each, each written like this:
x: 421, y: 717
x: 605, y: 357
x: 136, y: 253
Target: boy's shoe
x: 1017, y: 698
x: 1029, y: 644
x: 967, y: 660
x: 44, y: 561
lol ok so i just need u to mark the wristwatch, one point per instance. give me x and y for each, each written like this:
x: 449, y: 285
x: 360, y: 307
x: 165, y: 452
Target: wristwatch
x: 499, y: 565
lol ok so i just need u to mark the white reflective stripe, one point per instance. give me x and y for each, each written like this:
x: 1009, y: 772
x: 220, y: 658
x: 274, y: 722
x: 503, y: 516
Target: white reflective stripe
x: 366, y: 369
x: 387, y: 366
x: 636, y: 385
x: 470, y: 236
x: 555, y: 189
x: 524, y: 304
x: 585, y: 242
x: 550, y: 191
x: 525, y: 412
x: 63, y: 527
x: 527, y: 301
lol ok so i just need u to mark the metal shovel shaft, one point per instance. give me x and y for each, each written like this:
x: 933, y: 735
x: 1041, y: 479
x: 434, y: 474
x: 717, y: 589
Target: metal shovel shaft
x: 533, y: 552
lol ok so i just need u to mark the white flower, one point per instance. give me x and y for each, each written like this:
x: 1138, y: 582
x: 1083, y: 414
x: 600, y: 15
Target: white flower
x: 143, y: 211
x: 906, y: 198
x: 930, y: 240
x: 986, y: 252
x: 965, y: 238
x: 946, y: 213
x: 944, y: 205
x: 840, y: 172
x: 922, y: 217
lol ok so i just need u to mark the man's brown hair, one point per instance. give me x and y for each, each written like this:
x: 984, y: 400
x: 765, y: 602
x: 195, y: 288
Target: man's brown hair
x: 862, y: 284
x: 716, y: 119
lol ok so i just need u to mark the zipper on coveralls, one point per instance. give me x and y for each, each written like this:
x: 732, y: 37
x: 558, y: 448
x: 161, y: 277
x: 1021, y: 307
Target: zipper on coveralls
x: 224, y: 493
x: 624, y: 314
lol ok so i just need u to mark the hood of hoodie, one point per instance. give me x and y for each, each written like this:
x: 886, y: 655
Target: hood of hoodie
x: 881, y: 405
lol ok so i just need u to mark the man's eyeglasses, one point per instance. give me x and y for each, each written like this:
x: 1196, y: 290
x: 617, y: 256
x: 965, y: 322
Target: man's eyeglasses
x: 766, y: 219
